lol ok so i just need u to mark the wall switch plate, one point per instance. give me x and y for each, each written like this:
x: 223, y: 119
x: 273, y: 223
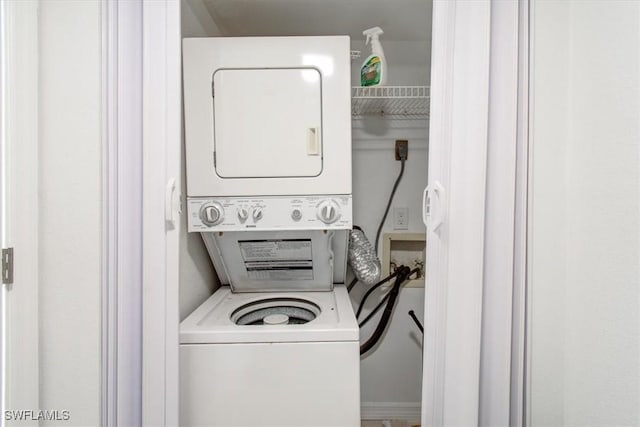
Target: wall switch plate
x: 400, y: 218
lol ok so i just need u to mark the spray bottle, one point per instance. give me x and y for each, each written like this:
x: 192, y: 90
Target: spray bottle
x: 374, y: 68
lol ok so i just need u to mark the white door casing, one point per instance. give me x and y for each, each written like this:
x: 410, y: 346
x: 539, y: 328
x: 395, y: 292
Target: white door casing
x: 457, y: 252
x: 19, y: 210
x: 161, y: 131
x: 122, y: 213
x: 500, y: 220
x: 518, y: 333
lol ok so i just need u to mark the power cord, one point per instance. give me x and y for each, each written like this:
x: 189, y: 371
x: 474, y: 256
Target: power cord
x: 402, y: 153
x: 393, y: 193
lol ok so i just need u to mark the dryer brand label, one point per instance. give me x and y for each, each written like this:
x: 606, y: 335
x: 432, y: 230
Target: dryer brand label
x: 288, y: 259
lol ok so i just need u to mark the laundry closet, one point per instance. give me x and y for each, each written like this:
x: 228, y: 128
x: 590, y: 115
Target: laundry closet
x: 381, y: 119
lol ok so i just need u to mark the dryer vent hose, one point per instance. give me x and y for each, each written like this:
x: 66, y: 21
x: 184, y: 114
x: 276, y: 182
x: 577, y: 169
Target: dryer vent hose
x: 362, y: 257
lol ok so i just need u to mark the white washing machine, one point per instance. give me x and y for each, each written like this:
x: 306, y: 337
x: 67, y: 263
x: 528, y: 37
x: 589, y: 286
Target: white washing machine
x: 277, y: 359
x: 278, y: 344
x: 268, y: 144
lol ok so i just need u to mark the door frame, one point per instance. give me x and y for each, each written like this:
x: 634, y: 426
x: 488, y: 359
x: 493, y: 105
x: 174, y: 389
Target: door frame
x: 161, y: 207
x: 19, y: 140
x: 462, y: 101
x: 519, y: 363
x: 130, y: 367
x: 473, y: 361
x: 121, y: 361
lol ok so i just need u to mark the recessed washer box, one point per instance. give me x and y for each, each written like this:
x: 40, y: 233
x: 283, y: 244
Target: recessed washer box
x: 404, y: 249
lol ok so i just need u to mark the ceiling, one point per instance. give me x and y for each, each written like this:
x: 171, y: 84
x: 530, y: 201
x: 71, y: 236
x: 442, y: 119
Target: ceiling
x: 401, y: 20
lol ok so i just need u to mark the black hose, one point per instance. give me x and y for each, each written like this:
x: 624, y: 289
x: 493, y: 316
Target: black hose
x: 373, y: 288
x: 352, y: 284
x: 417, y: 322
x: 375, y: 310
x: 386, y: 297
x: 404, y: 273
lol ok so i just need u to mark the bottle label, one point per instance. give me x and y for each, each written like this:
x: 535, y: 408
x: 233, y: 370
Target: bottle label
x: 370, y: 73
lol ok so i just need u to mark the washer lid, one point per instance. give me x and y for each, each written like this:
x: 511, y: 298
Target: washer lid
x: 263, y: 261
x: 216, y: 320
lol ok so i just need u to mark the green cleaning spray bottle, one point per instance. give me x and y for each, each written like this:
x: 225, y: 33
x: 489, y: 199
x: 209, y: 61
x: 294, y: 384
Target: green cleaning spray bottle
x: 374, y: 68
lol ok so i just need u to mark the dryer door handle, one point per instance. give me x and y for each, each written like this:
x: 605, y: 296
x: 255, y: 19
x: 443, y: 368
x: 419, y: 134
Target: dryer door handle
x: 313, y: 142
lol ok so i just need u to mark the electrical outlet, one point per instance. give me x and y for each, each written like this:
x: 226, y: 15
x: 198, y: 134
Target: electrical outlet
x: 402, y: 149
x: 400, y: 218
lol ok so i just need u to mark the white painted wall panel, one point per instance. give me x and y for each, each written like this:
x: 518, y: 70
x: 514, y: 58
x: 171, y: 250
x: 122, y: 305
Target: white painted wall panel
x: 585, y: 299
x: 196, y: 21
x: 70, y: 208
x: 408, y: 62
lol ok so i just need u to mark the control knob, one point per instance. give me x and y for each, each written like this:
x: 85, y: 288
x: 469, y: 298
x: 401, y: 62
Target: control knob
x: 243, y: 214
x: 211, y: 214
x: 328, y: 211
x: 296, y: 214
x: 257, y: 214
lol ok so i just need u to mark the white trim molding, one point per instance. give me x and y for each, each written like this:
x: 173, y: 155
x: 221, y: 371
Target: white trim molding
x: 495, y: 367
x: 519, y: 333
x: 161, y: 163
x: 108, y: 410
x: 20, y: 127
x: 122, y: 213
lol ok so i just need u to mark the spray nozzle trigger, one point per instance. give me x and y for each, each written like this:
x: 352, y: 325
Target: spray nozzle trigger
x: 372, y: 32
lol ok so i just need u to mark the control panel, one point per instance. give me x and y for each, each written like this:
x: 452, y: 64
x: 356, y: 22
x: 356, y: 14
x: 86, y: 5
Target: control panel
x: 269, y: 213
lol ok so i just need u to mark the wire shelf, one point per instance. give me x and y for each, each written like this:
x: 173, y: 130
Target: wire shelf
x: 402, y: 102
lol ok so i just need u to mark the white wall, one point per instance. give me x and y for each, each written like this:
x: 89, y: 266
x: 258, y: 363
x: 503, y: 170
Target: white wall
x: 408, y: 62
x: 196, y: 21
x: 391, y: 374
x: 585, y: 239
x: 70, y: 208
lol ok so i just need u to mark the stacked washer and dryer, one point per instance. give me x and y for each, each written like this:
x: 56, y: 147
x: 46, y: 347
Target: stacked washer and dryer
x: 268, y: 157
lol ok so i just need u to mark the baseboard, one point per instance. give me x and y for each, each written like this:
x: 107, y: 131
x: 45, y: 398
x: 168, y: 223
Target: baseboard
x: 390, y: 411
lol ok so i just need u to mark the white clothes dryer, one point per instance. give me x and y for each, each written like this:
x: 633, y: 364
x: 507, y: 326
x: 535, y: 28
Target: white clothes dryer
x: 267, y: 116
